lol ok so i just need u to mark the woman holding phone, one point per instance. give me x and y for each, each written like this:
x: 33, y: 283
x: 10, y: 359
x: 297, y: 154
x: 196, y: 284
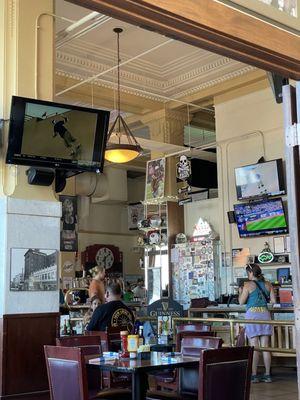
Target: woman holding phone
x: 256, y: 294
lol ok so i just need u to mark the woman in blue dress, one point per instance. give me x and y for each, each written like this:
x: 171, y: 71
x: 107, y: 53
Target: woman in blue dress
x: 256, y: 294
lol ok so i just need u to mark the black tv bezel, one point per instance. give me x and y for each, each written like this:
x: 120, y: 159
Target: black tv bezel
x: 270, y: 232
x: 282, y: 188
x: 17, y: 117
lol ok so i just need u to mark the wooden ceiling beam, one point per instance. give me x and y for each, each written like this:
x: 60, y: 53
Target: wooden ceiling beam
x: 211, y: 26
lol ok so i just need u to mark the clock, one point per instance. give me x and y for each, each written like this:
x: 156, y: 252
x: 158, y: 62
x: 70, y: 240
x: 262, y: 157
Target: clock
x: 104, y: 257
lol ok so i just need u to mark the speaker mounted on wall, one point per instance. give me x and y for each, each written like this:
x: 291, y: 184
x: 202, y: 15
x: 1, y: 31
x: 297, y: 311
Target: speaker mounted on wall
x: 231, y: 217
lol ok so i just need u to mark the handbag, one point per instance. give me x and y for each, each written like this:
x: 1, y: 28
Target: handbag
x: 266, y: 297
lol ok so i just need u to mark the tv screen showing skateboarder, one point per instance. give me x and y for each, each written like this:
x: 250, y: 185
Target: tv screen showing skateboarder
x: 63, y: 134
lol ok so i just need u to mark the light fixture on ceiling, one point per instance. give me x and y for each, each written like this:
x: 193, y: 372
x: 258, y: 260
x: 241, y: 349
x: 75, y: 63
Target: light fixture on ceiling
x: 127, y: 148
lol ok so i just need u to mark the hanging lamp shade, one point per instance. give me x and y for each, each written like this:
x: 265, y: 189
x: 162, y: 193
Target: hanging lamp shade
x: 126, y: 147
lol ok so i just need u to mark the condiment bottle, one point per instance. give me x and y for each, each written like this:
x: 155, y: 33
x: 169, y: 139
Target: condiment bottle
x: 133, y: 343
x: 124, y: 343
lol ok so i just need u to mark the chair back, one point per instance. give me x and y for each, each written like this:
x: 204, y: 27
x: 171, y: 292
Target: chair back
x: 91, y: 344
x: 241, y: 339
x: 114, y: 338
x: 225, y: 374
x: 193, y: 347
x: 66, y: 373
x: 191, y: 330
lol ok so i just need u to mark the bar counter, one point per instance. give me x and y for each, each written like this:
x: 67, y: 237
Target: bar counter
x: 194, y: 312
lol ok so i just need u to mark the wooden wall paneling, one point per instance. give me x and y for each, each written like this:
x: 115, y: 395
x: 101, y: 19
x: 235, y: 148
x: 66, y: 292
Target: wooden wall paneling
x: 24, y: 372
x: 211, y: 26
x: 1, y: 353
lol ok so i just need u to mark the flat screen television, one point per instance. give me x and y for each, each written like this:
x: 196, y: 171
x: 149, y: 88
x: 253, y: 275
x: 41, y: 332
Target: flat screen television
x: 260, y: 180
x: 59, y: 136
x: 260, y: 218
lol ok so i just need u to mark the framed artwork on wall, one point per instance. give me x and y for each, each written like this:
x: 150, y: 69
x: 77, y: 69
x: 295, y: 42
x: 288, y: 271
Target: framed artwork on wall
x: 155, y: 179
x: 68, y: 234
x: 33, y: 269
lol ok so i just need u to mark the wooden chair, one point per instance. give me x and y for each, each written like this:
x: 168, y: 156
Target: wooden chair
x: 194, y: 347
x: 167, y: 380
x: 91, y: 344
x: 191, y: 330
x: 224, y: 374
x: 67, y: 376
x: 108, y: 340
x: 190, y: 346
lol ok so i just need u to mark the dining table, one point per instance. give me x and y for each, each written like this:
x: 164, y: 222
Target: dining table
x: 139, y: 368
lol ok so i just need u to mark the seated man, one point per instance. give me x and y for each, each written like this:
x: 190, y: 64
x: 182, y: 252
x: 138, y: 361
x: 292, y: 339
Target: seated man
x: 113, y: 313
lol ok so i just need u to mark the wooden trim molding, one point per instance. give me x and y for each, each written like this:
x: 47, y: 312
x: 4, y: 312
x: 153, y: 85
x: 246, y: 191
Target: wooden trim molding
x: 211, y: 26
x: 23, y: 372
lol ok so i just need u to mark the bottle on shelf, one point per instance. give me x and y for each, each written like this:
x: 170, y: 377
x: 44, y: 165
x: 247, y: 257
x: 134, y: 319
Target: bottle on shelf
x: 65, y: 331
x: 141, y: 335
x: 69, y: 330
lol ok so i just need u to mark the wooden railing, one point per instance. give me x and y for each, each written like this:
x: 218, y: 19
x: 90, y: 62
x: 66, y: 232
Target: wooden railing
x: 282, y: 340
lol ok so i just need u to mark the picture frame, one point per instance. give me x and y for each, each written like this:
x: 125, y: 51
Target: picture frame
x: 33, y: 269
x: 279, y: 244
x: 155, y: 179
x: 135, y: 214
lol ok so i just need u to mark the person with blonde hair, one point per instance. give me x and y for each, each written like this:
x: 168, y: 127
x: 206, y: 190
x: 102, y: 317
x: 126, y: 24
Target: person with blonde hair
x: 97, y: 287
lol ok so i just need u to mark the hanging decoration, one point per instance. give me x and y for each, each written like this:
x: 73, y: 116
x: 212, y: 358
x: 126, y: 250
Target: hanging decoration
x: 126, y: 147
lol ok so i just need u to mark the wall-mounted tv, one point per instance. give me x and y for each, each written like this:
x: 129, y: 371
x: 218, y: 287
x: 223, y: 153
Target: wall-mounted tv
x: 59, y: 136
x: 259, y: 218
x: 260, y: 180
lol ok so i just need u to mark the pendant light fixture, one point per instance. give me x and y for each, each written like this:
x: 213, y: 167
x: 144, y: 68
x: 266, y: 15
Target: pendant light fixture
x: 127, y: 148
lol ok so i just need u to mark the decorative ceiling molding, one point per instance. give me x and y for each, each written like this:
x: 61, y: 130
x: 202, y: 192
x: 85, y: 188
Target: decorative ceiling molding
x: 216, y: 69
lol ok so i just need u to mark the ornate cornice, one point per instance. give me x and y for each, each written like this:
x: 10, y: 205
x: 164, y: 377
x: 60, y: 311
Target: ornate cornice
x: 215, y: 70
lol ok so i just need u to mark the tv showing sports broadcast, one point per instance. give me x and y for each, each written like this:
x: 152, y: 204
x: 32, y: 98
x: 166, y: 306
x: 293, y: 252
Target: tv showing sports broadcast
x: 56, y: 135
x: 261, y: 218
x: 260, y: 180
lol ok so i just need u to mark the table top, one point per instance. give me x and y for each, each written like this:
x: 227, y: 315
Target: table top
x: 156, y: 362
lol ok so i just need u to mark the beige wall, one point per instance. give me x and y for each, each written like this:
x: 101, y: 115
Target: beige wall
x: 108, y: 224
x: 253, y: 111
x: 206, y: 209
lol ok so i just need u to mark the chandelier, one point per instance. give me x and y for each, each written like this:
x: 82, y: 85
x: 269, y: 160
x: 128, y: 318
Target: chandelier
x: 127, y: 148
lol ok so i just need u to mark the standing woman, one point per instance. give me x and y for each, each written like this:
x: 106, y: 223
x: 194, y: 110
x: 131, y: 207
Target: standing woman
x: 256, y: 294
x: 97, y: 287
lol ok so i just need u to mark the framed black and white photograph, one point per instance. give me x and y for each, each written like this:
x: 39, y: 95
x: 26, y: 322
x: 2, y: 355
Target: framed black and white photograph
x: 33, y: 269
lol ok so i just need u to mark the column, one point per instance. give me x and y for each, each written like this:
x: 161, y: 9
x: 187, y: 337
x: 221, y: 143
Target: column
x: 168, y: 126
x: 30, y: 215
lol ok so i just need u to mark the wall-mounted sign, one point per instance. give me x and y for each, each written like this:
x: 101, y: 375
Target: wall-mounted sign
x: 266, y: 256
x: 68, y: 234
x: 183, y: 168
x: 183, y: 174
x: 165, y: 308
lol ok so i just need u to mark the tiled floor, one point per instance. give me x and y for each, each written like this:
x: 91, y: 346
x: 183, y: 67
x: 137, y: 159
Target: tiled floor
x: 284, y: 386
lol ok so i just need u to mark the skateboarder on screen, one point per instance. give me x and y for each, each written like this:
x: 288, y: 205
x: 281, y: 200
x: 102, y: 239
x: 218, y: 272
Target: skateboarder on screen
x: 69, y: 140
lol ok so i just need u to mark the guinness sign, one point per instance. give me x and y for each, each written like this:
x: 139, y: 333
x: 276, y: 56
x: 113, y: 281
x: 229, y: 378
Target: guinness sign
x: 165, y: 308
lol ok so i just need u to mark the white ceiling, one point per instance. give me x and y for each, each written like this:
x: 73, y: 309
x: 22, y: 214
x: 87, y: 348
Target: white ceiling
x: 174, y: 70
